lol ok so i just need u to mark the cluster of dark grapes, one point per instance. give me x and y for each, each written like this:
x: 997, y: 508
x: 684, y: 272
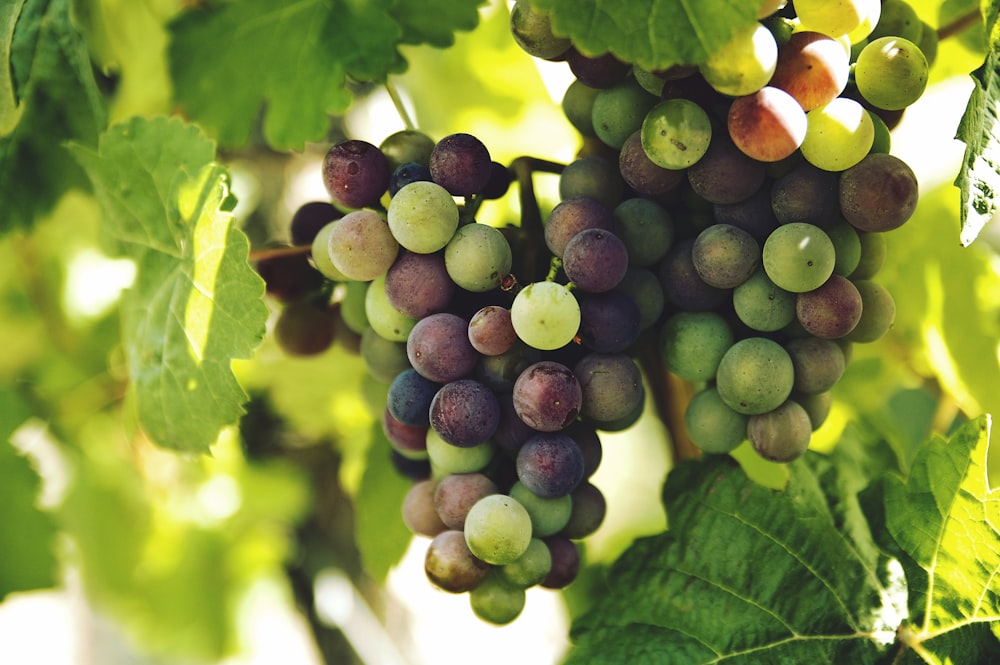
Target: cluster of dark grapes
x: 733, y: 212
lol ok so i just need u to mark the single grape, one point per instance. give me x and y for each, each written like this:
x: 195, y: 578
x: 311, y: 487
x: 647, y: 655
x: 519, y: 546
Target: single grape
x: 491, y: 332
x: 320, y: 254
x: 643, y: 288
x: 897, y: 19
x: 355, y: 173
x: 831, y: 310
x: 873, y: 251
x: 531, y: 568
x: 676, y: 133
x: 304, y: 328
x: 451, y: 566
x: 641, y: 173
x: 578, y: 105
x: 782, y: 434
x: 498, y: 529
x: 813, y: 68
x: 406, y: 174
x: 846, y: 245
x: 725, y: 256
x: 619, y: 111
x: 589, y: 510
x: 548, y: 515
x: 817, y: 407
x: 384, y: 359
x: 407, y: 146
x: 447, y: 459
x: 611, y: 384
x: 880, y: 193
x: 595, y: 260
x: 418, y: 510
x: 891, y: 73
x: 409, y: 398
x: 600, y: 72
x: 418, y: 285
x: 423, y: 217
x: 501, y: 371
x: 438, y: 348
x: 724, y: 174
x: 592, y: 176
x: 478, y: 257
x: 744, y: 64
x: 692, y: 344
x: 840, y: 133
x: 806, y: 193
x: 465, y: 413
x: 565, y: 562
x: 762, y: 305
x: 410, y: 441
x: 455, y: 494
x: 877, y: 314
x: 818, y: 364
x: 545, y: 315
x: 610, y: 322
x: 496, y: 600
x: 833, y: 18
x: 361, y: 245
x: 532, y: 31
x: 547, y: 396
x: 412, y: 469
x: 767, y: 125
x: 290, y: 278
x: 570, y: 216
x: 755, y: 376
x: 682, y: 286
x: 382, y: 316
x: 798, y: 257
x: 712, y: 425
x: 550, y: 464
x: 461, y: 164
x: 308, y: 219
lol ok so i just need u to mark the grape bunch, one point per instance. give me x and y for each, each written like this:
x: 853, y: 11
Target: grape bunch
x: 730, y: 215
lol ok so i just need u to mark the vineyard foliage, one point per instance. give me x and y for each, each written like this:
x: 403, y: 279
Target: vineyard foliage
x: 148, y: 148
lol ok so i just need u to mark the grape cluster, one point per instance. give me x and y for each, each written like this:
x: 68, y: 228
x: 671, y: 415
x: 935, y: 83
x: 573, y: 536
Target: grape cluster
x: 731, y: 215
x: 752, y: 193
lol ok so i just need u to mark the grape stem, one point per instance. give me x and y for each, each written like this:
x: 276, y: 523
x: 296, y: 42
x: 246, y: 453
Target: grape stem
x: 267, y: 253
x: 532, y: 225
x: 397, y: 101
x: 671, y: 397
x: 960, y: 24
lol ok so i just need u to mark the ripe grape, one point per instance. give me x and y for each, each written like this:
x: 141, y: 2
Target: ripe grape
x: 465, y: 413
x: 409, y: 398
x: 806, y: 194
x: 490, y: 331
x: 438, y: 348
x: 407, y: 146
x: 611, y: 384
x: 813, y: 68
x: 461, y: 164
x: 600, y: 72
x: 682, y: 285
x: 450, y: 564
x: 595, y: 260
x: 547, y: 396
x: 589, y: 509
x: 818, y: 364
x: 782, y: 434
x: 878, y: 194
x: 565, y: 562
x: 725, y: 175
x: 418, y: 284
x: 304, y: 328
x: 610, y: 321
x: 355, y: 173
x: 308, y: 219
x: 361, y: 245
x: 831, y: 310
x: 643, y: 174
x: 418, y: 511
x: 768, y: 125
x: 455, y: 494
x: 570, y: 216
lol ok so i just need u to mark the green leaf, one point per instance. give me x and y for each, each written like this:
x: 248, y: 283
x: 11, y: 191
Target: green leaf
x: 745, y: 574
x: 231, y: 59
x: 196, y: 303
x: 381, y: 534
x: 979, y: 177
x: 947, y: 519
x: 655, y: 34
x: 26, y: 558
x: 48, y: 95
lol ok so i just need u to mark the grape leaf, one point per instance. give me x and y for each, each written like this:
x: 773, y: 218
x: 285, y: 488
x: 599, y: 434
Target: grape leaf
x: 381, y: 534
x: 47, y: 95
x: 979, y: 177
x: 947, y: 519
x: 28, y: 534
x: 196, y: 304
x: 745, y: 574
x: 655, y: 34
x: 229, y: 60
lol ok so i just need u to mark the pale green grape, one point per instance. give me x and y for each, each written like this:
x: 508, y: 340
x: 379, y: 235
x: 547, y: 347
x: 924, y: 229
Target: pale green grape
x: 712, y: 425
x: 755, y: 376
x: 387, y: 321
x: 762, y: 305
x: 498, y: 529
x: 675, y: 133
x: 838, y: 136
x: 798, y: 257
x: 531, y: 567
x: 891, y: 73
x: 423, y: 217
x: 744, y: 64
x: 545, y: 315
x: 477, y: 257
x: 447, y: 459
x: 321, y: 254
x: 496, y: 600
x: 834, y: 17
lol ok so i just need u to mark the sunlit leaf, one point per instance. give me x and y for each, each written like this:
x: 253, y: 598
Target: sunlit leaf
x: 947, y: 519
x: 196, y: 303
x: 652, y: 33
x: 745, y: 574
x: 229, y: 60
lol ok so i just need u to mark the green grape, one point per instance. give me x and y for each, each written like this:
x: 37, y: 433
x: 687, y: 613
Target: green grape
x: 423, y: 217
x: 531, y: 567
x: 545, y: 315
x: 878, y: 311
x: 352, y: 306
x: 320, y: 253
x: 897, y: 19
x: 362, y: 246
x: 762, y: 305
x: 883, y: 138
x: 447, y: 459
x: 891, y: 73
x: 675, y: 133
x: 798, y: 257
x: 578, y: 106
x: 383, y: 358
x: 873, y: 251
x: 385, y: 319
x: 834, y: 17
x: 532, y: 30
x: 712, y: 425
x: 839, y: 135
x: 693, y: 343
x: 646, y: 228
x: 744, y: 64
x: 548, y: 516
x: 477, y: 257
x: 618, y: 111
x: 407, y: 146
x: 755, y: 376
x: 846, y: 245
x: 496, y: 600
x: 498, y: 529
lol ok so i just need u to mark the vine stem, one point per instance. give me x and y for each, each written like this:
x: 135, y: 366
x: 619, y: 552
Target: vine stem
x: 267, y: 253
x: 960, y: 24
x: 397, y: 101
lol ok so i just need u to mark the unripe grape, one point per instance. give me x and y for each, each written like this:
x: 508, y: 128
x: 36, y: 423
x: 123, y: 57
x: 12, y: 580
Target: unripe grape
x: 891, y: 73
x: 744, y: 64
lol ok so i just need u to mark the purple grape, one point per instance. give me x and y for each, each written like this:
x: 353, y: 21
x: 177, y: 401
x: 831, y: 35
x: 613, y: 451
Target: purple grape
x: 355, y: 173
x: 491, y: 332
x: 641, y: 174
x: 725, y: 256
x: 512, y: 432
x: 438, y: 348
x: 610, y: 322
x: 418, y: 284
x: 308, y: 219
x: 683, y: 286
x: 455, y: 494
x: 565, y: 562
x: 550, y: 464
x: 830, y: 311
x: 595, y: 260
x: 451, y: 566
x: 724, y: 174
x: 409, y: 398
x: 547, y: 396
x: 806, y: 194
x: 407, y: 173
x: 419, y: 513
x: 571, y: 216
x: 461, y: 164
x: 465, y: 413
x: 409, y: 440
x: 604, y: 71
